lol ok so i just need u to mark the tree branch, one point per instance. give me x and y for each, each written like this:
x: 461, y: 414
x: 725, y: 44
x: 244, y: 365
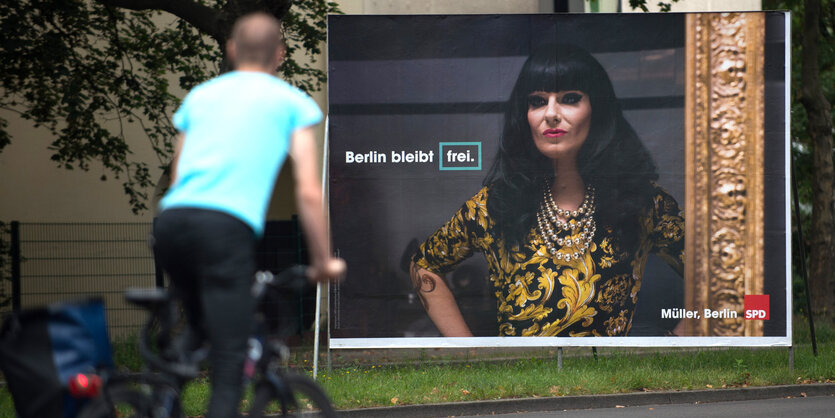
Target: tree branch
x: 204, y: 18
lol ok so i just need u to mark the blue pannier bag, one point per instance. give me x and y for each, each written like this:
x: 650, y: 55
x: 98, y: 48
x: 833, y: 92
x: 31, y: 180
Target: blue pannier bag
x: 42, y: 348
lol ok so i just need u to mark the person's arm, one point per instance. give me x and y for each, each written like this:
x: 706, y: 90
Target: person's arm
x: 311, y: 210
x: 178, y: 148
x: 443, y: 251
x: 439, y: 303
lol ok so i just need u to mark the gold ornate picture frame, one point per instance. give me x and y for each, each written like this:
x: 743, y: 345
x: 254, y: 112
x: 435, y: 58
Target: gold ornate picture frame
x: 724, y: 169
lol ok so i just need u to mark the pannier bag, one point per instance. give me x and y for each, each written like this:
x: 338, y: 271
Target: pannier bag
x: 42, y: 348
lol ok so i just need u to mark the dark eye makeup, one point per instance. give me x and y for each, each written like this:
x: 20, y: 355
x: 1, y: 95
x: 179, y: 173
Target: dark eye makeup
x: 536, y: 101
x: 570, y: 98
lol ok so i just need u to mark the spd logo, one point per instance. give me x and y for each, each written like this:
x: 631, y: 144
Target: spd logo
x: 756, y: 307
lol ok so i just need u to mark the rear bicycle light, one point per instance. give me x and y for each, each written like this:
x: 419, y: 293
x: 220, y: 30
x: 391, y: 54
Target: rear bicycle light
x: 84, y: 385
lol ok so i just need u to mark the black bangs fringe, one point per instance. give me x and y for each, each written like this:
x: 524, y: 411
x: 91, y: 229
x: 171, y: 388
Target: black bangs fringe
x: 551, y: 76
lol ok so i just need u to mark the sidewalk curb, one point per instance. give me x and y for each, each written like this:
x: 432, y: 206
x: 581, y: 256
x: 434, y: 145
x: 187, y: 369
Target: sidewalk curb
x: 510, y: 406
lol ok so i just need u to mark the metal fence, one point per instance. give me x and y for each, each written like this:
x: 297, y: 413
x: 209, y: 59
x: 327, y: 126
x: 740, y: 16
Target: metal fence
x: 5, y: 269
x: 50, y: 262
x: 53, y: 262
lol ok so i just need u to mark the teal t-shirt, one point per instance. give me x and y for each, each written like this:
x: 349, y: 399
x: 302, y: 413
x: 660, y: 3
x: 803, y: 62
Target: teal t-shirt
x: 237, y: 131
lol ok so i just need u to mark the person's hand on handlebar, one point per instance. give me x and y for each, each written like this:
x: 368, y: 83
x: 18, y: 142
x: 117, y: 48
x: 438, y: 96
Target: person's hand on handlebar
x: 331, y: 270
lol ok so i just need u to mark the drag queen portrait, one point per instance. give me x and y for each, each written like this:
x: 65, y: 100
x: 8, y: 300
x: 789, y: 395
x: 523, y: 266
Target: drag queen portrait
x: 567, y: 215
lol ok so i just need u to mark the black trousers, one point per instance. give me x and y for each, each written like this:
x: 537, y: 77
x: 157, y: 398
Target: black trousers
x: 210, y: 259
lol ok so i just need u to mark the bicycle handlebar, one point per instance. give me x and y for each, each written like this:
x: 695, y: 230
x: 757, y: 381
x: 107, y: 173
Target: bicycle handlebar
x: 292, y: 279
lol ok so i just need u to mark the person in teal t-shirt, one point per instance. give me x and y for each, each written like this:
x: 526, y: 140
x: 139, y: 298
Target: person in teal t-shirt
x: 235, y: 132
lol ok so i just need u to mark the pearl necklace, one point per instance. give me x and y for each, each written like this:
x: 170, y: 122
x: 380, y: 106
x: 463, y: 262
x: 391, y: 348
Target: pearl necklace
x: 550, y: 224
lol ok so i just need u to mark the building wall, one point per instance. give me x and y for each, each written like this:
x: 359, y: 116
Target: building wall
x: 34, y: 189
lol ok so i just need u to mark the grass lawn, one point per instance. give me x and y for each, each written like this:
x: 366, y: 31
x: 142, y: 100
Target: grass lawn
x: 616, y: 370
x: 613, y: 372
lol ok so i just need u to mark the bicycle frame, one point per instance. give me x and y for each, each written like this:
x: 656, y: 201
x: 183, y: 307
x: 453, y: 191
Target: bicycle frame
x: 162, y: 351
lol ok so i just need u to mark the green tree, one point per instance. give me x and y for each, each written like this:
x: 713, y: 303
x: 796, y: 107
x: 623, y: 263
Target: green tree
x: 86, y: 69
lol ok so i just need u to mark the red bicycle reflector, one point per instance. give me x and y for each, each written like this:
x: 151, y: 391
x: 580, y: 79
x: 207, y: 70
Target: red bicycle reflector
x: 85, y: 385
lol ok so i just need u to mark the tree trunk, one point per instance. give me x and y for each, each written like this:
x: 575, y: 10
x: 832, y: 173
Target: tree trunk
x: 818, y: 110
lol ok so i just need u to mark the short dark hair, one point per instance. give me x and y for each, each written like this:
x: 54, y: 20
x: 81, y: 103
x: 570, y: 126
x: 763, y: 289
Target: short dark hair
x: 612, y: 158
x: 257, y: 36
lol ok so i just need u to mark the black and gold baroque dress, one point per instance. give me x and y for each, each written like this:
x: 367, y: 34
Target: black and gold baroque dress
x: 562, y: 292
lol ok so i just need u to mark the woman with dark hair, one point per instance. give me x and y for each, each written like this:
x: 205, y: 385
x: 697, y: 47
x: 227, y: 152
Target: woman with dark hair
x: 568, y: 213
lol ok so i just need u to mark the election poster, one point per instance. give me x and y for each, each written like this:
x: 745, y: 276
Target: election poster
x: 559, y: 180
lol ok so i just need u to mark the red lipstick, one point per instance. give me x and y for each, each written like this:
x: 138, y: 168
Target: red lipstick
x: 553, y: 133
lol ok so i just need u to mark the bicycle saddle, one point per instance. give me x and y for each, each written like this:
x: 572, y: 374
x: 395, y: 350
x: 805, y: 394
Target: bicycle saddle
x: 147, y: 297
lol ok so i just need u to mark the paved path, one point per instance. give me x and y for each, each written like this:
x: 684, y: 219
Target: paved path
x: 817, y: 406
x: 576, y: 403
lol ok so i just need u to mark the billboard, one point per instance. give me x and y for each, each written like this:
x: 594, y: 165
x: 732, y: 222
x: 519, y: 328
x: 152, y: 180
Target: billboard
x: 456, y: 142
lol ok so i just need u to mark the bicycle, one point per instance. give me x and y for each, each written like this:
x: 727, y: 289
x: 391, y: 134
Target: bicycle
x: 174, y: 360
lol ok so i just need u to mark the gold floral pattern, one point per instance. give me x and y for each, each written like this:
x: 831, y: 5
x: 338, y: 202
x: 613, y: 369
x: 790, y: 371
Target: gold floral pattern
x: 615, y: 293
x: 618, y: 325
x: 540, y: 295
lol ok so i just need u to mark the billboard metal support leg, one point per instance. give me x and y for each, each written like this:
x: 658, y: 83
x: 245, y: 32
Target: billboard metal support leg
x: 559, y: 358
x: 802, y: 252
x: 316, y: 330
x: 791, y: 358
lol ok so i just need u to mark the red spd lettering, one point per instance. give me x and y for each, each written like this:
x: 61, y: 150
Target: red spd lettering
x: 756, y: 307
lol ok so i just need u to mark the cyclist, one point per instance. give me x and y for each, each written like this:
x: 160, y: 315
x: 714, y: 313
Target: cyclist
x: 235, y: 132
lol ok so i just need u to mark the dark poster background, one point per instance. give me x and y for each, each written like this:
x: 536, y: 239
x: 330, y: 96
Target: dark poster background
x: 406, y: 84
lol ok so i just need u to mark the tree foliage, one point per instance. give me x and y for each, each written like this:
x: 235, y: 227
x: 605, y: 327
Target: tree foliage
x: 642, y: 4
x: 87, y: 70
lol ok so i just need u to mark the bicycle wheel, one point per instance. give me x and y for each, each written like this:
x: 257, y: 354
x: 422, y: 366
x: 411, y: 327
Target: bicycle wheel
x: 120, y: 401
x: 303, y: 397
